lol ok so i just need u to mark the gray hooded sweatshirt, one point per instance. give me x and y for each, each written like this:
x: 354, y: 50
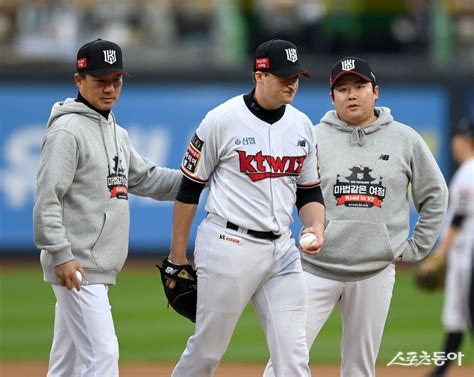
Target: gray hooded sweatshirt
x: 87, y: 168
x: 366, y: 176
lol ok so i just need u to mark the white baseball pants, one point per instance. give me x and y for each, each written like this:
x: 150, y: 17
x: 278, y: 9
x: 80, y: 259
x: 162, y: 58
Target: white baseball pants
x: 457, y: 286
x: 364, y: 307
x: 84, y: 343
x: 233, y: 269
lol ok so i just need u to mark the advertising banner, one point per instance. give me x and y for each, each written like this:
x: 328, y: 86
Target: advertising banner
x: 160, y: 120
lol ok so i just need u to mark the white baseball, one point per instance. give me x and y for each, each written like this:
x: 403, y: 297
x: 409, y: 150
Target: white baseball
x: 79, y: 276
x: 307, y: 239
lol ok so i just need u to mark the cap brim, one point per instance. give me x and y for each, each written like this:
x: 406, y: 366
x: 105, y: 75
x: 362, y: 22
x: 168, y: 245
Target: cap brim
x: 291, y: 71
x: 107, y: 71
x: 342, y: 74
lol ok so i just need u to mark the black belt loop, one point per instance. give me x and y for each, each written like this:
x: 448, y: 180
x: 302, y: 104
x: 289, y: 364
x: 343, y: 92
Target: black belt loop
x: 255, y: 233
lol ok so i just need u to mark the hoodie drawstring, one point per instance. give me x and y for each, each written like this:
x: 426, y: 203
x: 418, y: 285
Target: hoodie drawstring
x: 358, y: 136
x: 105, y: 145
x: 115, y: 135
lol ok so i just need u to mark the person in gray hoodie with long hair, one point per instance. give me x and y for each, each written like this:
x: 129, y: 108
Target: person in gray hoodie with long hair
x: 81, y: 215
x: 369, y: 164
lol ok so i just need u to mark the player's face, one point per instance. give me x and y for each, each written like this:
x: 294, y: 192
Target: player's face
x: 275, y: 91
x: 354, y: 100
x: 101, y: 92
x: 462, y: 147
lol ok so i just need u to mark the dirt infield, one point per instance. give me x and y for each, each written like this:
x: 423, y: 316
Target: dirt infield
x: 30, y: 369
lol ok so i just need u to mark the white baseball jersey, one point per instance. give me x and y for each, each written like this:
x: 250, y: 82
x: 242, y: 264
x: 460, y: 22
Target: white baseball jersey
x: 461, y: 202
x: 253, y: 167
x: 458, y: 278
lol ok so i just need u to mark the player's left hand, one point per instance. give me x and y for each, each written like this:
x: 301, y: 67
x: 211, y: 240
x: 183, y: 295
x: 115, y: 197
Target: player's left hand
x: 431, y: 272
x: 315, y: 247
x: 182, y: 294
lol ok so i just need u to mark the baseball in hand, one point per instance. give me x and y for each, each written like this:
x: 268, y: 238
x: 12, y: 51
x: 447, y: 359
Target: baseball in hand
x: 79, y: 276
x: 307, y: 239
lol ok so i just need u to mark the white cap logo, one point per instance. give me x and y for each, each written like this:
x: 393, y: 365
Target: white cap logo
x: 348, y: 65
x: 109, y: 56
x: 291, y: 54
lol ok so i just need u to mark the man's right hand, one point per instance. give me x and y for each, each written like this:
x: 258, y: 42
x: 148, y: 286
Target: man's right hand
x: 67, y: 276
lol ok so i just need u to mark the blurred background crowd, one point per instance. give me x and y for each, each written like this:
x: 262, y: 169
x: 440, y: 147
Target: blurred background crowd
x: 196, y: 37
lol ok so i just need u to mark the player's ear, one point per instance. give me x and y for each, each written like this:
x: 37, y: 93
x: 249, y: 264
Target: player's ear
x: 258, y: 75
x: 331, y: 95
x: 77, y: 80
x: 376, y: 92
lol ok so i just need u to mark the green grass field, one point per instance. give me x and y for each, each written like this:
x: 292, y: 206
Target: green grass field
x: 148, y: 331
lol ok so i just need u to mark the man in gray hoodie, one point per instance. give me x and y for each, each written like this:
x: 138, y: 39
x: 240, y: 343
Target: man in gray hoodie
x: 369, y: 164
x: 81, y: 215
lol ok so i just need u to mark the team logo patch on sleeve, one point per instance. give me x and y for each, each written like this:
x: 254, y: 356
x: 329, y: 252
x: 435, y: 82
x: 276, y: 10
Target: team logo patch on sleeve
x: 193, y: 154
x: 197, y: 143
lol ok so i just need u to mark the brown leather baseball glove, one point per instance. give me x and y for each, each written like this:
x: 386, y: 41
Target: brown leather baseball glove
x: 430, y: 274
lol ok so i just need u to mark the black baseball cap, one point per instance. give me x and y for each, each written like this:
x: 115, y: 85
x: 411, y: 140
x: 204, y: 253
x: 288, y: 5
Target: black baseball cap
x: 465, y: 127
x: 280, y: 58
x: 100, y: 58
x: 354, y: 66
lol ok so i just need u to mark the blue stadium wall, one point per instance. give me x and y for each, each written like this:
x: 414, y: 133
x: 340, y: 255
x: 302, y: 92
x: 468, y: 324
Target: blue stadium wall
x: 160, y: 120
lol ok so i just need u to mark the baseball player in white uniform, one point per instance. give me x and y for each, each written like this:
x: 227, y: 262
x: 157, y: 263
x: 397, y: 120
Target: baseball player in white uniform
x: 367, y: 163
x: 257, y: 154
x: 457, y: 244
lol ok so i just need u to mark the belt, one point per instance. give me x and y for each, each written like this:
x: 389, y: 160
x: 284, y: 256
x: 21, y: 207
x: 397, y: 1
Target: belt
x: 254, y: 233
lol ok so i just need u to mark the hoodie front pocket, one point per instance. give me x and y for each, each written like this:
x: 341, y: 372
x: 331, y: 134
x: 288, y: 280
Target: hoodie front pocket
x: 355, y: 248
x: 111, y: 249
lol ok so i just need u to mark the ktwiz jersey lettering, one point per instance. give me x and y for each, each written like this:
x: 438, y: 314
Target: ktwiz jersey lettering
x: 253, y: 168
x: 259, y: 166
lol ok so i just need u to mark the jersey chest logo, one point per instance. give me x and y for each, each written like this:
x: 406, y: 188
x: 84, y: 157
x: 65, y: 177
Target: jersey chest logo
x: 117, y: 181
x: 359, y: 190
x: 260, y: 166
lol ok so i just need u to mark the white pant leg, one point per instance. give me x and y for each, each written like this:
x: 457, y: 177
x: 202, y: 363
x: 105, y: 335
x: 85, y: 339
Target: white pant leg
x: 229, y: 272
x: 323, y: 295
x: 64, y: 359
x: 365, y: 306
x: 455, y: 312
x: 89, y: 325
x: 281, y: 306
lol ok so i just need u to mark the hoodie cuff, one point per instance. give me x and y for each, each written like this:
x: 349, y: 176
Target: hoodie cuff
x: 63, y: 256
x: 411, y: 252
